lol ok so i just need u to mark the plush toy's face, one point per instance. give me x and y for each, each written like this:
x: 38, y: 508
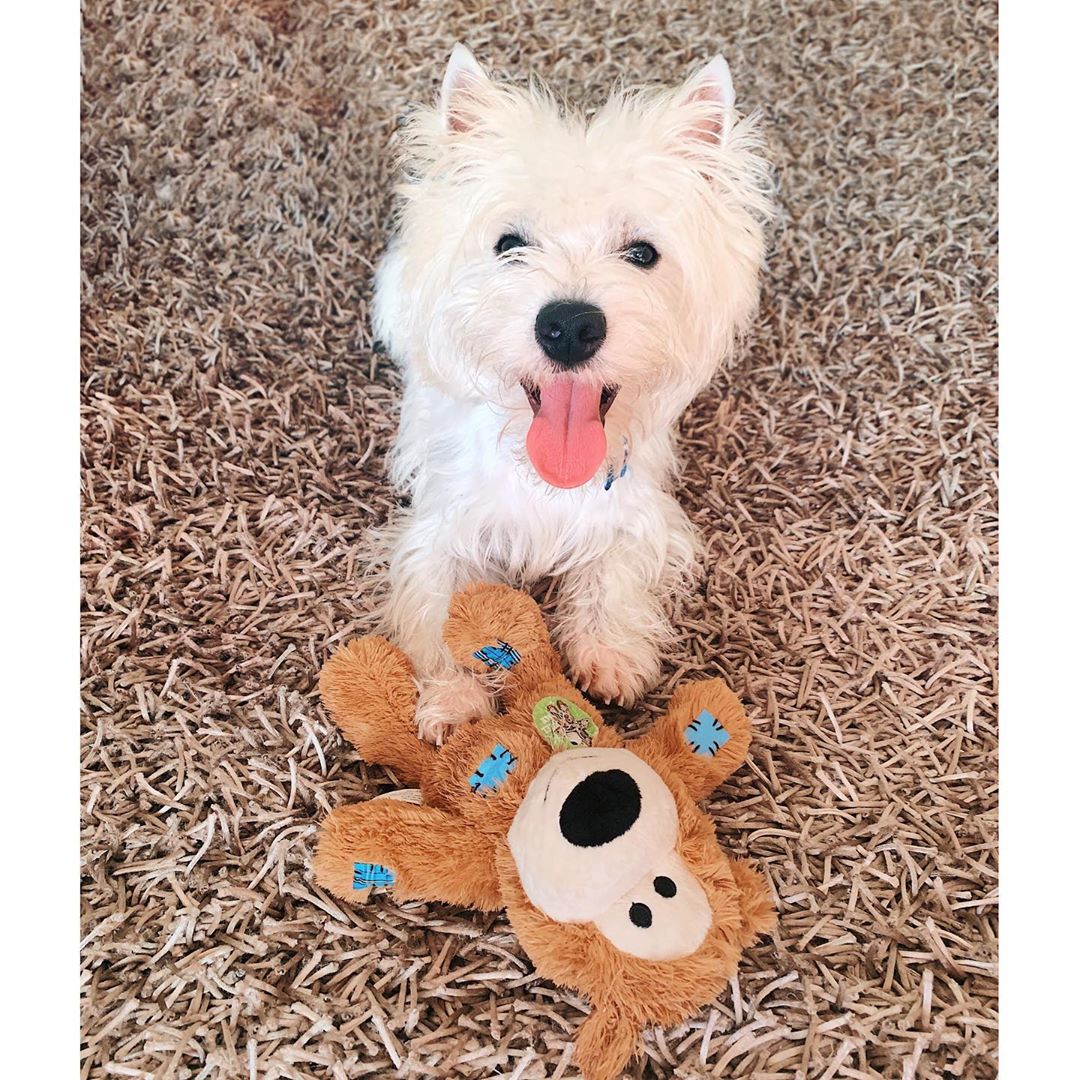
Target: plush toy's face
x: 595, y: 840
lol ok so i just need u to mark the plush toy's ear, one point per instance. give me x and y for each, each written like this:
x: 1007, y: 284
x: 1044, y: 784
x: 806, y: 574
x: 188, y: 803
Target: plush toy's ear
x: 755, y: 902
x: 464, y: 89
x: 496, y: 629
x: 702, y: 738
x: 606, y: 1042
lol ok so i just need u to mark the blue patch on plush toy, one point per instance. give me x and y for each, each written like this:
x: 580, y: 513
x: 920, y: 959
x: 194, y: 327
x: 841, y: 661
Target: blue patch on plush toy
x: 493, y: 770
x: 367, y: 874
x: 706, y: 734
x: 501, y: 655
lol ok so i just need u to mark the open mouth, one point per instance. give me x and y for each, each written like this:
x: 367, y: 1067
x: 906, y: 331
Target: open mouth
x: 532, y: 392
x: 566, y: 441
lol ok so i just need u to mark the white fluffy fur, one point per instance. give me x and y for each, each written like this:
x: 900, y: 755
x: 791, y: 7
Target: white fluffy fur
x: 673, y: 167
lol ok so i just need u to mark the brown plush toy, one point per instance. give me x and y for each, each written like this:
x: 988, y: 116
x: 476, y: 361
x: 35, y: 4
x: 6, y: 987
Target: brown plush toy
x: 608, y: 869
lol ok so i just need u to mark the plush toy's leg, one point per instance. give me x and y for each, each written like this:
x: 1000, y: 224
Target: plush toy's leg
x: 368, y: 689
x: 703, y: 737
x: 499, y: 631
x: 418, y: 852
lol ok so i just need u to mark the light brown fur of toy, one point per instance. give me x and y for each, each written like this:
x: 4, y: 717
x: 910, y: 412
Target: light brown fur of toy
x: 454, y: 847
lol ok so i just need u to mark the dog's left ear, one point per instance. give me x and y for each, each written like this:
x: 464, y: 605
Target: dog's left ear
x: 711, y: 94
x: 464, y: 87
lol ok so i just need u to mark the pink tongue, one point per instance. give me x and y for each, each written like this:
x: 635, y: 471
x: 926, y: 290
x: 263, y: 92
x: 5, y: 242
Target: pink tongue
x: 566, y: 441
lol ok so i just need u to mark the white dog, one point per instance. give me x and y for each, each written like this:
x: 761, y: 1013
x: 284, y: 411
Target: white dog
x: 557, y: 291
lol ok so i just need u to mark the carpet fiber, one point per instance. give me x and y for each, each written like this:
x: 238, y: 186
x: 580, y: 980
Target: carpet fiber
x: 235, y: 181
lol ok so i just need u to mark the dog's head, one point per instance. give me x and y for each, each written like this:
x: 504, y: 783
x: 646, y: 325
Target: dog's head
x: 578, y: 273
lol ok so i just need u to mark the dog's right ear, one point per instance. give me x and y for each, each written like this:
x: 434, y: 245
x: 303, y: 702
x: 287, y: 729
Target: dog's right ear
x: 711, y: 94
x: 464, y: 87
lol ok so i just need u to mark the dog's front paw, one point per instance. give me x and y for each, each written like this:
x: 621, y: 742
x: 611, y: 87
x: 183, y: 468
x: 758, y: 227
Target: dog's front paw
x: 448, y: 700
x: 613, y: 676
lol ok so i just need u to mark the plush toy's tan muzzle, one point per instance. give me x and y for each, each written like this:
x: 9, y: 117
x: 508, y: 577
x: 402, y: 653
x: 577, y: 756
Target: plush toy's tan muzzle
x: 595, y: 841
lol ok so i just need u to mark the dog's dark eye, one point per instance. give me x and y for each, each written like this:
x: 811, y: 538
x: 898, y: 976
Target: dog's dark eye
x: 509, y: 241
x: 641, y: 254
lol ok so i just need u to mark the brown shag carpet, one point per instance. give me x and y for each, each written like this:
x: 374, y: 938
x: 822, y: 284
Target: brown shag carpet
x: 235, y: 196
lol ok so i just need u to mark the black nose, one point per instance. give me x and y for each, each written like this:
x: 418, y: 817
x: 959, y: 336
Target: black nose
x: 600, y: 808
x: 570, y: 332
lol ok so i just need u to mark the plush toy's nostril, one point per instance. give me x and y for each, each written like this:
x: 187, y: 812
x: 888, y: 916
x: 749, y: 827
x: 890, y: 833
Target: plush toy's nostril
x: 664, y: 887
x: 600, y: 808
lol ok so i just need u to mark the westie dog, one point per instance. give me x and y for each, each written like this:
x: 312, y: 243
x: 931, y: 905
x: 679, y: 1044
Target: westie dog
x: 558, y: 289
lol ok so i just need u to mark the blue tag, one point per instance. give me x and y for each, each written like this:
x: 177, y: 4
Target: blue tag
x: 501, y: 655
x: 493, y: 771
x: 367, y: 874
x: 706, y: 734
x: 611, y: 476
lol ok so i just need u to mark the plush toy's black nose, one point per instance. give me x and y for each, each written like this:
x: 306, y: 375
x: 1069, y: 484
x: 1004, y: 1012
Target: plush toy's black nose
x: 569, y: 331
x: 600, y: 808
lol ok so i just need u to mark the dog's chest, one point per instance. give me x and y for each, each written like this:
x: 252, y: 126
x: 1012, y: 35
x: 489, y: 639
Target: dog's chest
x: 470, y: 472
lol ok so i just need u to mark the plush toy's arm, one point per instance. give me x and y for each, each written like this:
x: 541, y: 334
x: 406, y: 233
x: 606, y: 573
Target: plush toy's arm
x: 368, y: 689
x: 418, y: 852
x: 703, y: 737
x: 496, y: 630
